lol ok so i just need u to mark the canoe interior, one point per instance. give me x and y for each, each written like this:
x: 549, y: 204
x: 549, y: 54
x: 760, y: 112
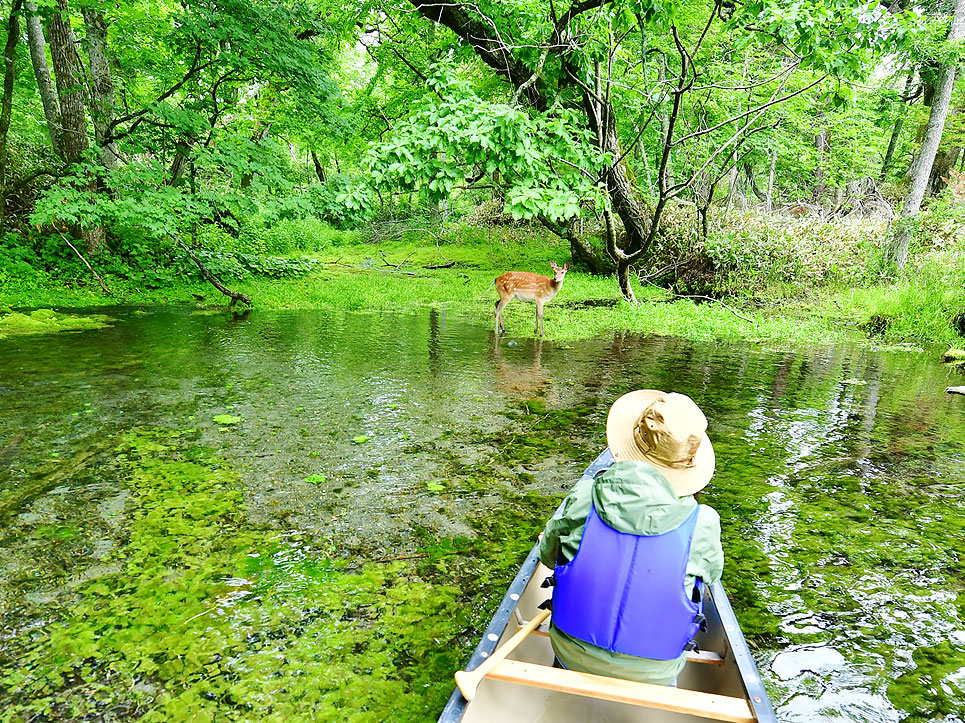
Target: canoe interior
x: 497, y: 701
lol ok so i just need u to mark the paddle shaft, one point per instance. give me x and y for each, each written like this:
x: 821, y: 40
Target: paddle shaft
x: 468, y: 680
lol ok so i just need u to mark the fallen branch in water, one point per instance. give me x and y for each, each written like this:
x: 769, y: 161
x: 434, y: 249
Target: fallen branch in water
x: 236, y: 296
x: 386, y: 262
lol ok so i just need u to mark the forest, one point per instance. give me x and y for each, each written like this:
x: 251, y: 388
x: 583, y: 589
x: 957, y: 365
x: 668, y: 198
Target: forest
x: 707, y: 149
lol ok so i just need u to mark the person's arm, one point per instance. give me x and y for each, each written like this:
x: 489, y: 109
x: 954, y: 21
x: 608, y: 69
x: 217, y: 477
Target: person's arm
x: 565, y: 528
x: 706, y: 553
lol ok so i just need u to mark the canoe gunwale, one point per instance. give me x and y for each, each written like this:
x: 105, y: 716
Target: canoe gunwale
x: 456, y: 706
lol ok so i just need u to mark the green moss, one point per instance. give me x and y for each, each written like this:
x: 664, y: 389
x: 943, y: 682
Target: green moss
x: 45, y: 321
x: 211, y: 620
x: 934, y: 689
x: 538, y: 433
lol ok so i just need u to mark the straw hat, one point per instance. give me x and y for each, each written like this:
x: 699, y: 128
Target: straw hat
x: 667, y: 430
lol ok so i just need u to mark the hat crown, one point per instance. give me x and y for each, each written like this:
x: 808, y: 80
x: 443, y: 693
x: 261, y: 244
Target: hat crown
x: 670, y: 430
x: 667, y: 430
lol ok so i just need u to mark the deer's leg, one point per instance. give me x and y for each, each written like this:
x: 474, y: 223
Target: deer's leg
x: 500, y: 305
x: 539, y: 319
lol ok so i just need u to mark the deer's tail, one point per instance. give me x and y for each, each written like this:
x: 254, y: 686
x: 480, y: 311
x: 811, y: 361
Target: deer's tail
x: 491, y: 285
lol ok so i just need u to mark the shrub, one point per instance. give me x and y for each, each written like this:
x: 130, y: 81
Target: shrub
x: 18, y: 260
x: 747, y: 252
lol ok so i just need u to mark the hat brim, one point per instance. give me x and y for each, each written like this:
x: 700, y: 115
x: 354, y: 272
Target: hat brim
x: 620, y: 424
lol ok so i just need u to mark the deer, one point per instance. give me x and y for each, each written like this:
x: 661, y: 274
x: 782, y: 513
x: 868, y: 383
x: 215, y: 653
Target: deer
x: 529, y: 287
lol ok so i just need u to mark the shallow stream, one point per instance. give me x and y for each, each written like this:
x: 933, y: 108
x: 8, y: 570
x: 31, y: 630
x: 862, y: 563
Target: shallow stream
x: 312, y: 515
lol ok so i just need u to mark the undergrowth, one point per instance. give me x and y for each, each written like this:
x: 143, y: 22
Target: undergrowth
x: 755, y: 277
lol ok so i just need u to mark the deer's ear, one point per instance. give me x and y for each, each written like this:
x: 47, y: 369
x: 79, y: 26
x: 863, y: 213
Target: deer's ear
x: 566, y: 266
x: 553, y: 265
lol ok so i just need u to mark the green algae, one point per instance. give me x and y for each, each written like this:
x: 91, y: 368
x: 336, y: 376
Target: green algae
x: 209, y: 619
x: 935, y: 687
x: 45, y: 321
x: 539, y: 433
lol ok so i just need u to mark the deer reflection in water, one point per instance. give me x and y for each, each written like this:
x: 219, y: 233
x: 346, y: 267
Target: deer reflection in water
x: 520, y: 375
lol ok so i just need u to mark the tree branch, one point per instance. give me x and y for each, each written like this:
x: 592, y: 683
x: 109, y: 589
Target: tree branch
x: 235, y: 295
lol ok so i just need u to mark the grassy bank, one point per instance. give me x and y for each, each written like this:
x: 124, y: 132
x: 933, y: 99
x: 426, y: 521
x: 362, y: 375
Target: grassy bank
x: 767, y: 302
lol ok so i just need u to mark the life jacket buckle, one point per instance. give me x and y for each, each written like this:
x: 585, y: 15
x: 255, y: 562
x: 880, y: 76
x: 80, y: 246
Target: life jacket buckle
x: 547, y: 604
x: 701, y: 620
x: 550, y: 581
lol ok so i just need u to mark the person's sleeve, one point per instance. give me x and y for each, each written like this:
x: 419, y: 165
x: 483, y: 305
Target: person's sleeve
x: 706, y: 553
x: 565, y: 528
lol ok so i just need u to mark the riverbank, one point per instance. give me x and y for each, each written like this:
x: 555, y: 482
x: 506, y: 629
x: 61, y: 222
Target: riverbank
x: 419, y: 269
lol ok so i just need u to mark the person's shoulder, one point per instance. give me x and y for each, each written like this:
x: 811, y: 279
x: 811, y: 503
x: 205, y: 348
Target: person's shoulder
x: 708, y: 515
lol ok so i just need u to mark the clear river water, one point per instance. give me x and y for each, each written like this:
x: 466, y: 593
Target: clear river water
x: 312, y: 515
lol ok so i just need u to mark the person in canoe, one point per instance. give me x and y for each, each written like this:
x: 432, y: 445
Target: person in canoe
x: 632, y: 548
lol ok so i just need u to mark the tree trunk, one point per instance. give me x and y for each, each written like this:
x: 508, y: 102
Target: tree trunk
x: 9, y: 75
x: 581, y: 251
x: 102, y: 87
x: 623, y: 279
x: 259, y: 135
x: 921, y: 168
x: 769, y: 201
x: 821, y: 145
x: 889, y: 154
x: 319, y: 170
x: 731, y: 184
x: 664, y: 116
x: 73, y: 112
x: 178, y: 165
x: 896, y: 131
x: 944, y: 162
x: 70, y: 91
x: 641, y: 151
x: 600, y: 115
x: 38, y: 58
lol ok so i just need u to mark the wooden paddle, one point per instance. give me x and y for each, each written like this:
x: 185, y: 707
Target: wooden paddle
x: 467, y: 680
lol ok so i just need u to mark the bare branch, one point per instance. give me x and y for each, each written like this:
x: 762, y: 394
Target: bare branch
x: 765, y: 106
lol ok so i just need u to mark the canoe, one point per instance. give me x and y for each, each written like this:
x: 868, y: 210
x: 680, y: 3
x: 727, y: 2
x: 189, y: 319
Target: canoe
x: 720, y: 682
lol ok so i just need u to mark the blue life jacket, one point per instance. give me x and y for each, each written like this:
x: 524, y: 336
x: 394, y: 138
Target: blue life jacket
x: 626, y: 593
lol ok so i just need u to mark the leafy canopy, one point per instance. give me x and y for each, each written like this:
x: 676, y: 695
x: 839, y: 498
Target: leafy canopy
x: 544, y: 163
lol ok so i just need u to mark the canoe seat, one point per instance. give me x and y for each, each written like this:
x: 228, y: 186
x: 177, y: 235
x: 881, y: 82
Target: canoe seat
x: 678, y: 700
x: 704, y: 656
